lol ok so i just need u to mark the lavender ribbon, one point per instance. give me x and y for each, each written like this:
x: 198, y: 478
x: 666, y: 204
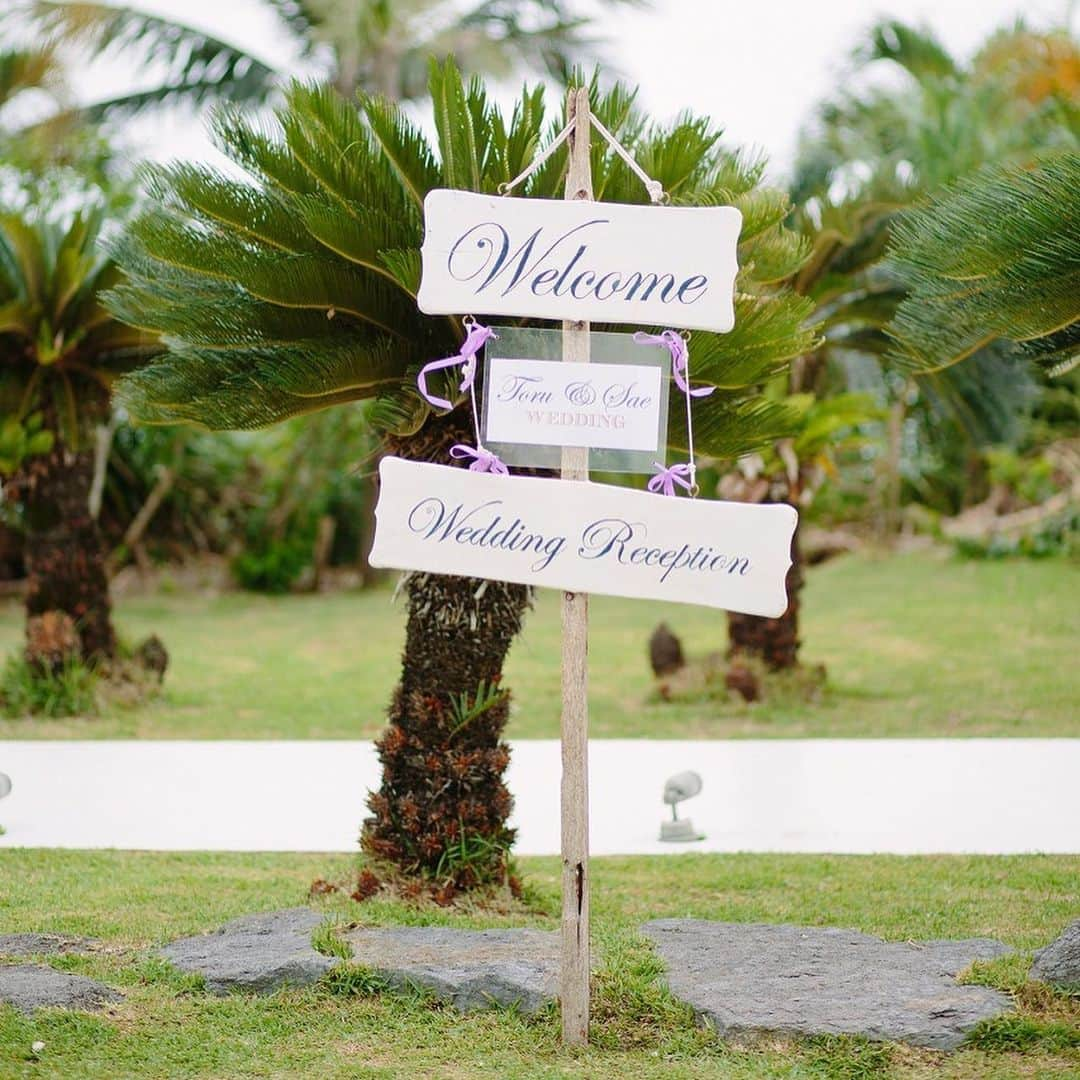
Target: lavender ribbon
x: 474, y: 342
x: 483, y: 460
x: 666, y: 479
x: 680, y: 358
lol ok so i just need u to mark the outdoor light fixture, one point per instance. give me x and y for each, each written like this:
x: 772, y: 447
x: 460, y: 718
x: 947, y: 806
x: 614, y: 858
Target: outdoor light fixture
x: 679, y: 788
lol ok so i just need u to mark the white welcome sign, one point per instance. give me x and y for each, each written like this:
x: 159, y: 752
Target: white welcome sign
x: 565, y: 259
x: 583, y: 537
x: 548, y: 403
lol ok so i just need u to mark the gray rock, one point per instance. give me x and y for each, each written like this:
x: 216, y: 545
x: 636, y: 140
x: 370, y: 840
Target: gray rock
x: 745, y: 979
x: 260, y: 953
x: 471, y: 969
x: 30, y: 987
x: 1059, y: 963
x: 43, y: 944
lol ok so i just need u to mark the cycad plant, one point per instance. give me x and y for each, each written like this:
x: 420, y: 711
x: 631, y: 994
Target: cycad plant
x: 60, y: 352
x: 996, y: 256
x: 294, y: 289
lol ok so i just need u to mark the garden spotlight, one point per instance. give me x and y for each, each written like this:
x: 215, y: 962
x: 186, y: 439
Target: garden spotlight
x: 679, y: 788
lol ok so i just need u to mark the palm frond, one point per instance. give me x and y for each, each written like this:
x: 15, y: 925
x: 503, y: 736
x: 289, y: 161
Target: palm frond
x: 219, y: 200
x: 59, y: 349
x: 917, y: 51
x: 261, y: 152
x: 27, y: 69
x: 199, y: 65
x: 193, y: 384
x: 728, y: 427
x: 997, y: 256
x: 461, y: 121
x: 405, y: 149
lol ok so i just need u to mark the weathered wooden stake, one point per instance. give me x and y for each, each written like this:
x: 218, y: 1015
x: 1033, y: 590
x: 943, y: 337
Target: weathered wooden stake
x: 574, y: 973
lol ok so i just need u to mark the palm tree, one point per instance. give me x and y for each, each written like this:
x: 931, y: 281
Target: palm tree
x: 60, y: 352
x: 872, y: 153
x: 376, y: 45
x: 294, y: 290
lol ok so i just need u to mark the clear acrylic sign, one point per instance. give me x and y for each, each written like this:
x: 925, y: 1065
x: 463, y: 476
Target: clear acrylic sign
x: 626, y: 435
x: 545, y: 402
x: 583, y: 537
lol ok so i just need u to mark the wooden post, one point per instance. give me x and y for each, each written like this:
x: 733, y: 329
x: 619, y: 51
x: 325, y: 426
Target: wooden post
x: 574, y: 968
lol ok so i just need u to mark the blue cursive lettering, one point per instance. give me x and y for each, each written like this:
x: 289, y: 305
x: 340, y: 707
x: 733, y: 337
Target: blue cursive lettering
x: 486, y: 254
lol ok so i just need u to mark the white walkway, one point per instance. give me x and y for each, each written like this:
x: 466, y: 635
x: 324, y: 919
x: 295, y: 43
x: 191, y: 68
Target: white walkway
x: 903, y: 796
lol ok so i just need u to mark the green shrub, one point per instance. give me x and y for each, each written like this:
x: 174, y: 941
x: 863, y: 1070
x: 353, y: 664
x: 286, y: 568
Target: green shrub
x: 1057, y: 536
x: 273, y: 567
x: 28, y: 691
x: 1029, y: 477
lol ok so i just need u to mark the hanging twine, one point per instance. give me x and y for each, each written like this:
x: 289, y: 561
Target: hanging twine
x: 653, y: 187
x: 506, y: 188
x: 685, y: 473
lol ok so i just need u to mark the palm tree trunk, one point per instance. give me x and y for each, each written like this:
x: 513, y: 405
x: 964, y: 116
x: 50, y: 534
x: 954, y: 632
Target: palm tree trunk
x: 775, y: 642
x: 64, y: 554
x: 442, y: 807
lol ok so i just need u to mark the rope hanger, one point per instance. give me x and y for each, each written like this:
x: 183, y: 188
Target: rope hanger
x: 655, y: 189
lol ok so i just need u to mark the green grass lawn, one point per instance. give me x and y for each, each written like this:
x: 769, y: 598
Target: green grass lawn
x: 917, y: 644
x: 167, y: 1027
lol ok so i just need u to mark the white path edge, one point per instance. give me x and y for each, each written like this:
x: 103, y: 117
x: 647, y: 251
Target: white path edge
x: 902, y: 796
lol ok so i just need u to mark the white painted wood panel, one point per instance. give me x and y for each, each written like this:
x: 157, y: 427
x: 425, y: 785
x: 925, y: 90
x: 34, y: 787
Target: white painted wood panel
x: 583, y: 537
x: 666, y: 266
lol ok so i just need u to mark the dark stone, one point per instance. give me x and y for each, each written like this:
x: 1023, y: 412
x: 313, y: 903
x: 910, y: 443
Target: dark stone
x: 43, y: 944
x: 745, y: 979
x: 665, y: 651
x: 1059, y: 963
x: 30, y: 987
x: 152, y: 655
x: 742, y: 679
x: 259, y: 953
x: 471, y: 969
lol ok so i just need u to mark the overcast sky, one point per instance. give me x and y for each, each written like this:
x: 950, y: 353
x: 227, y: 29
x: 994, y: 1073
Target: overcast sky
x: 755, y: 66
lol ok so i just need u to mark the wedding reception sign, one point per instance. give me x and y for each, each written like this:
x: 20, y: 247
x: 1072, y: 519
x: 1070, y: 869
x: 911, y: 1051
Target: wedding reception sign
x: 552, y: 403
x: 579, y: 260
x: 583, y: 537
x: 667, y: 269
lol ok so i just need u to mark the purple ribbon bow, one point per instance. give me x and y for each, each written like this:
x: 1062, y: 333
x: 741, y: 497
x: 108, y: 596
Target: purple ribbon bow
x: 666, y: 479
x: 680, y: 357
x: 483, y: 460
x: 474, y: 342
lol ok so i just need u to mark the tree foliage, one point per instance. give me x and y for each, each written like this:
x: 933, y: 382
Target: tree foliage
x: 996, y: 256
x: 196, y: 65
x: 875, y: 150
x: 294, y: 288
x: 377, y: 45
x: 60, y: 350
